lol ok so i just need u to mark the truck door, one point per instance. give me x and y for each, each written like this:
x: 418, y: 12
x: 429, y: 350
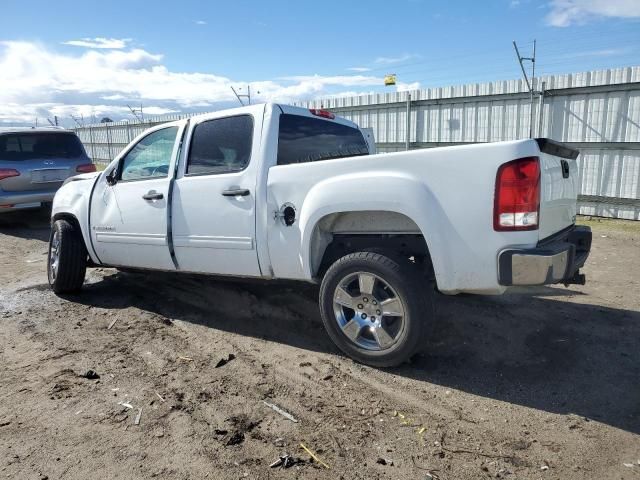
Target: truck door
x: 129, y: 204
x: 214, y: 207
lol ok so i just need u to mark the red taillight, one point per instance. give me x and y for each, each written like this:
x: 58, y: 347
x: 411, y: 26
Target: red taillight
x: 322, y: 113
x: 517, y: 200
x: 86, y: 168
x: 8, y: 172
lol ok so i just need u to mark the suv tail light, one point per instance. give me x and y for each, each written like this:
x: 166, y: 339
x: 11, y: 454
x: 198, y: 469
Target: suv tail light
x: 8, y: 172
x: 86, y: 168
x: 517, y: 197
x: 322, y: 113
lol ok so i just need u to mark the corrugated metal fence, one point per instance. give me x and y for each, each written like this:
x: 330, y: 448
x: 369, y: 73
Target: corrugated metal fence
x: 597, y: 112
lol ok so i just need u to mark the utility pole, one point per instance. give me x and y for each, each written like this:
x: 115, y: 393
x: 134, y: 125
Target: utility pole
x: 135, y: 111
x: 237, y: 96
x: 75, y: 119
x: 530, y: 84
x: 240, y: 97
x: 79, y: 123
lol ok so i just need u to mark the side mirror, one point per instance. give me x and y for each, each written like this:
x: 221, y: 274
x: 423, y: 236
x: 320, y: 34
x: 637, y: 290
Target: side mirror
x: 111, y: 177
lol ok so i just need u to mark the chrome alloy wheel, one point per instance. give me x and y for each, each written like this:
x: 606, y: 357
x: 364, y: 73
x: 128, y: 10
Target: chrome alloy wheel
x: 368, y: 310
x: 54, y: 255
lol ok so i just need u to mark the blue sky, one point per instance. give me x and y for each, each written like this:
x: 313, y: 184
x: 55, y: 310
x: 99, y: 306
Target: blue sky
x: 62, y: 58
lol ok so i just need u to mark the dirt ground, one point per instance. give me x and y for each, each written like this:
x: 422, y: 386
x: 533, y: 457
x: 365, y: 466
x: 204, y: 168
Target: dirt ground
x: 536, y: 385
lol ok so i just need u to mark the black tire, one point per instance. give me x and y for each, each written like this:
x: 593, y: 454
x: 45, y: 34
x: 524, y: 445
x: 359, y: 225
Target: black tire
x: 68, y: 276
x: 409, y: 286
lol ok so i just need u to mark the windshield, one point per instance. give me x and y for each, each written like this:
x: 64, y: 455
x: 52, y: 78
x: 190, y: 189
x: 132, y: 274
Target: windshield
x: 304, y: 139
x: 29, y: 146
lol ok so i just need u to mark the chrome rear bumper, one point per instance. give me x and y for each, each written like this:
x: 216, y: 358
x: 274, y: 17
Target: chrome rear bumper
x: 557, y: 259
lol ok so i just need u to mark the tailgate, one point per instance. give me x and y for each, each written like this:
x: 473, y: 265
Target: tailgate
x: 558, y: 186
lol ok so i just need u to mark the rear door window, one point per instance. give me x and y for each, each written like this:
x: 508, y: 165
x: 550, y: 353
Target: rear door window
x: 304, y: 139
x: 29, y: 146
x: 222, y: 145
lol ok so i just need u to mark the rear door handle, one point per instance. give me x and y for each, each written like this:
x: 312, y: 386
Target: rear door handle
x: 153, y: 195
x: 232, y: 192
x: 565, y: 168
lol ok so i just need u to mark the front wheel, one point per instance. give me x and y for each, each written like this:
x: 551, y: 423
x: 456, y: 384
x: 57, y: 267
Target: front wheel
x: 375, y: 309
x: 67, y: 259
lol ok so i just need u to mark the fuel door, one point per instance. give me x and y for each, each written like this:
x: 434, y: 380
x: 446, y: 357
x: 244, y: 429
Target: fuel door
x: 286, y: 214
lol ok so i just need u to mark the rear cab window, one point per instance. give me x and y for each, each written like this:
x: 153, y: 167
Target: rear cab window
x: 304, y: 139
x: 29, y: 146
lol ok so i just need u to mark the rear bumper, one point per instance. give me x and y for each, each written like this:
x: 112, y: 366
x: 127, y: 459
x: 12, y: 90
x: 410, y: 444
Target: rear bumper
x: 557, y: 259
x: 18, y: 200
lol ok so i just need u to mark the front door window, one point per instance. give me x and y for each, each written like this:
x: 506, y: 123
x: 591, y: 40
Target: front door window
x: 150, y: 157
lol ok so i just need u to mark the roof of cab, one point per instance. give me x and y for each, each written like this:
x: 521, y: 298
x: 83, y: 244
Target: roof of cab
x: 284, y: 108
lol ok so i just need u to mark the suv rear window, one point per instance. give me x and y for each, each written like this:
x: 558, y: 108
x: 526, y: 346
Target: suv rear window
x: 304, y: 139
x: 29, y: 146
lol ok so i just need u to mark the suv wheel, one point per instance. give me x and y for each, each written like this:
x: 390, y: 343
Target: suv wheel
x: 376, y: 309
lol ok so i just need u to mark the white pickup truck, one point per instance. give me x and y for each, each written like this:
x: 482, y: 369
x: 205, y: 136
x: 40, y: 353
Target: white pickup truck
x: 274, y: 191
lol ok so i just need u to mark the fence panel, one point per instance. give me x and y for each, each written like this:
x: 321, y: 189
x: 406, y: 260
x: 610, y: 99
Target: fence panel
x: 597, y: 112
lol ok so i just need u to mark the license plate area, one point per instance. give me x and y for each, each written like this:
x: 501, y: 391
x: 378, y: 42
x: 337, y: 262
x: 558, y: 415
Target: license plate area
x: 49, y: 175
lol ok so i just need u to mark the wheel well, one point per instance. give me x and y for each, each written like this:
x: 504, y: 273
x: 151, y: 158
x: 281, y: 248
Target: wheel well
x: 76, y: 224
x: 390, y: 233
x: 69, y: 218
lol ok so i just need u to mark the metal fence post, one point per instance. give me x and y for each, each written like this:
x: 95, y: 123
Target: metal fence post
x: 93, y: 145
x: 108, y: 142
x: 541, y: 109
x: 408, y: 139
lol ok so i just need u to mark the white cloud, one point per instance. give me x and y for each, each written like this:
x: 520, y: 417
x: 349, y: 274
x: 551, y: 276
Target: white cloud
x: 99, y: 42
x: 359, y: 69
x: 35, y: 81
x: 403, y: 87
x: 514, y: 3
x: 200, y: 22
x: 346, y: 80
x: 398, y: 59
x: 568, y: 12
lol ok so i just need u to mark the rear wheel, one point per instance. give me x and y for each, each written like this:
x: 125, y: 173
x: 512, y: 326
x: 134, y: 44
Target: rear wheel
x: 376, y: 309
x: 67, y: 259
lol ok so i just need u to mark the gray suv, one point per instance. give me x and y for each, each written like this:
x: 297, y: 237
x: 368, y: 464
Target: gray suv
x: 34, y: 162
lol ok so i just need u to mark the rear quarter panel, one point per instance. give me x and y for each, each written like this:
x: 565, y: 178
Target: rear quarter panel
x: 447, y: 192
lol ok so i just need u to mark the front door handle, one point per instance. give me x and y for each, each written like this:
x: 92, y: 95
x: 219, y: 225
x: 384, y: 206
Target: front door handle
x: 153, y: 195
x: 232, y: 192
